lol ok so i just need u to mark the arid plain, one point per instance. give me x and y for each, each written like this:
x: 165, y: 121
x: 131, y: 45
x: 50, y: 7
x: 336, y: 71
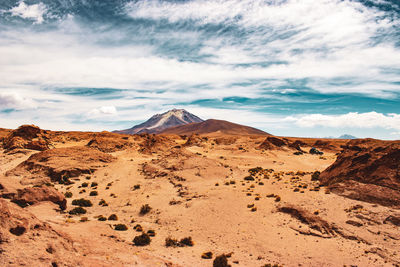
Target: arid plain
x: 255, y: 198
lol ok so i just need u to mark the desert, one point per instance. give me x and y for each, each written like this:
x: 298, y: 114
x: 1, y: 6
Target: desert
x: 81, y: 199
x: 200, y: 133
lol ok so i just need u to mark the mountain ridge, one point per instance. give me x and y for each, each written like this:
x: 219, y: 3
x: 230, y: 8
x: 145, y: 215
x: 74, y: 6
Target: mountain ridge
x: 160, y: 122
x: 214, y: 126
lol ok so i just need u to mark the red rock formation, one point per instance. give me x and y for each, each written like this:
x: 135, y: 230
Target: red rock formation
x: 27, y: 136
x: 27, y: 241
x: 33, y: 195
x: 60, y: 164
x: 367, y: 170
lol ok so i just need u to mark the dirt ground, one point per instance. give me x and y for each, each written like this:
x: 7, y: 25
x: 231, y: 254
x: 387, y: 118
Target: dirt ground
x: 274, y: 214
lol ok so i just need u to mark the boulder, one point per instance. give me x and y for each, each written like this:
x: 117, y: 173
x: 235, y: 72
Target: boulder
x: 33, y: 195
x: 366, y: 170
x: 27, y: 137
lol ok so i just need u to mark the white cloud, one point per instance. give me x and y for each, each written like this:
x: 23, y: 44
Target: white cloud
x: 34, y: 12
x: 15, y: 101
x: 349, y: 120
x: 104, y: 110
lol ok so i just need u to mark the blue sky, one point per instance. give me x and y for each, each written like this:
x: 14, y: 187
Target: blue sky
x: 289, y: 67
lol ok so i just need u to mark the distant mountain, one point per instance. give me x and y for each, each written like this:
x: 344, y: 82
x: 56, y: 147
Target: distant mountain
x: 347, y: 136
x: 214, y: 127
x: 160, y: 122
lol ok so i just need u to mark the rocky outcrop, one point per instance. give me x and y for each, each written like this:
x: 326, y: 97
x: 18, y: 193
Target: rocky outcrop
x: 194, y: 140
x: 276, y: 143
x: 33, y: 195
x: 60, y: 164
x: 366, y: 170
x: 28, y: 137
x: 27, y: 241
x: 110, y: 144
x: 152, y: 143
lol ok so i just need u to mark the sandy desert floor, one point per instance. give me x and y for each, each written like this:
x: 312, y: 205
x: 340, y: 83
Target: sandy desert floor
x: 277, y: 215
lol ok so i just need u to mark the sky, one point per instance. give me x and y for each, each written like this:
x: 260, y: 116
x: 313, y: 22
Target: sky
x: 289, y: 67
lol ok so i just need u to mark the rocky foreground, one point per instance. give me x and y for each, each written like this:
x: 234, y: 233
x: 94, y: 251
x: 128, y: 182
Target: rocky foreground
x: 104, y: 199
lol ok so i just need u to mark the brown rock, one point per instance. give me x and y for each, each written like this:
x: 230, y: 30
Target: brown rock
x: 30, y: 196
x: 24, y: 240
x: 395, y: 220
x: 60, y: 164
x: 366, y: 170
x: 110, y: 143
x: 27, y: 136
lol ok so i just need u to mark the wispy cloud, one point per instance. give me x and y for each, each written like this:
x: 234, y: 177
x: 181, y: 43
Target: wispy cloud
x: 15, y: 101
x: 352, y: 119
x: 70, y: 60
x: 34, y: 12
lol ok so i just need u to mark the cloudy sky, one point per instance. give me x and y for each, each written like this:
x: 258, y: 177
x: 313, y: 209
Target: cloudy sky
x: 289, y: 67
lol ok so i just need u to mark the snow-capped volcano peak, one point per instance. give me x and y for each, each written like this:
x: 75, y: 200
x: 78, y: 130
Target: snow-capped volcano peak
x: 160, y: 122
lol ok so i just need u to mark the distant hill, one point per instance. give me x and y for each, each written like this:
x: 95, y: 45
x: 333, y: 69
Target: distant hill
x: 343, y: 136
x: 160, y: 122
x: 214, y: 127
x: 347, y: 136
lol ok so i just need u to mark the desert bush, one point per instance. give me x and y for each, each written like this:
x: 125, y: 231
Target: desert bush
x: 142, y: 240
x: 77, y: 210
x: 65, y: 180
x: 314, y: 151
x: 175, y: 202
x: 93, y: 193
x: 207, y: 255
x: 68, y: 194
x: 82, y: 202
x: 84, y: 219
x: 120, y: 227
x: 255, y: 170
x: 101, y: 218
x: 315, y: 176
x: 136, y: 187
x: 249, y: 178
x: 145, y: 209
x: 221, y: 261
x: 113, y: 217
x: 151, y: 233
x: 138, y: 228
x: 277, y: 198
x: 103, y: 203
x: 171, y: 242
x: 84, y: 184
x: 253, y: 209
x: 94, y: 184
x: 186, y: 241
